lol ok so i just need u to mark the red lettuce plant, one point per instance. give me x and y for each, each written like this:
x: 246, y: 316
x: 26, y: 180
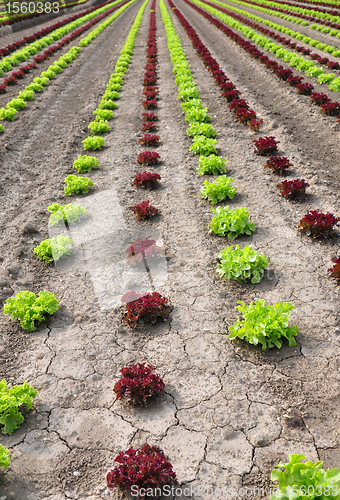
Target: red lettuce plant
x: 245, y: 115
x: 151, y: 104
x: 152, y: 80
x: 143, y: 249
x: 254, y: 124
x: 148, y: 180
x: 151, y: 88
x: 293, y: 189
x: 330, y: 108
x: 27, y: 68
x: 2, y: 89
x: 238, y: 103
x: 10, y: 81
x: 334, y: 272
x: 138, y: 383
x: 227, y: 86
x: 147, y: 308
x: 149, y: 140
x: 148, y: 158
x: 150, y: 94
x: 149, y: 117
x: 283, y: 73
x: 230, y: 95
x: 265, y: 145
x: 304, y: 88
x: 316, y: 223
x: 148, y: 127
x: 224, y: 86
x: 278, y: 164
x: 145, y: 468
x: 294, y: 80
x: 144, y: 210
x: 319, y: 99
x: 333, y: 65
x: 18, y: 74
x: 151, y: 73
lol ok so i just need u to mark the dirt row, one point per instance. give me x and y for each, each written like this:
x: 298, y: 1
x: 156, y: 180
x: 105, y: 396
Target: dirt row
x: 230, y: 412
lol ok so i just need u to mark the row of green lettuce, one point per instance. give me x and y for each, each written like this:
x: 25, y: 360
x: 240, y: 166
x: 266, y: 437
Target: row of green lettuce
x: 195, y: 114
x: 294, y: 59
x: 25, y: 53
x: 39, y: 83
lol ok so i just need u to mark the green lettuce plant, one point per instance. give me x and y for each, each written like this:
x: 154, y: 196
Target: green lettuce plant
x: 16, y: 104
x: 107, y: 104
x: 211, y: 164
x: 326, y: 78
x: 227, y: 222
x: 264, y: 325
x: 10, y: 401
x: 99, y: 127
x: 201, y: 145
x: 186, y: 92
x: 56, y: 68
x: 114, y: 87
x: 110, y: 95
x: 93, y: 143
x: 53, y: 249
x: 69, y: 213
x: 41, y: 81
x: 305, y: 481
x: 48, y: 74
x: 202, y: 129
x: 218, y: 190
x: 335, y: 85
x: 76, y: 185
x: 4, y: 457
x: 242, y: 264
x: 103, y: 114
x: 26, y: 95
x: 28, y: 307
x: 35, y: 87
x: 85, y: 163
x: 197, y: 115
x: 193, y: 103
x: 7, y: 114
x: 2, y: 128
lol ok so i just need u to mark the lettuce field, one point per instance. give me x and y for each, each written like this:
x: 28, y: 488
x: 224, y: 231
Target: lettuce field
x: 170, y: 250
